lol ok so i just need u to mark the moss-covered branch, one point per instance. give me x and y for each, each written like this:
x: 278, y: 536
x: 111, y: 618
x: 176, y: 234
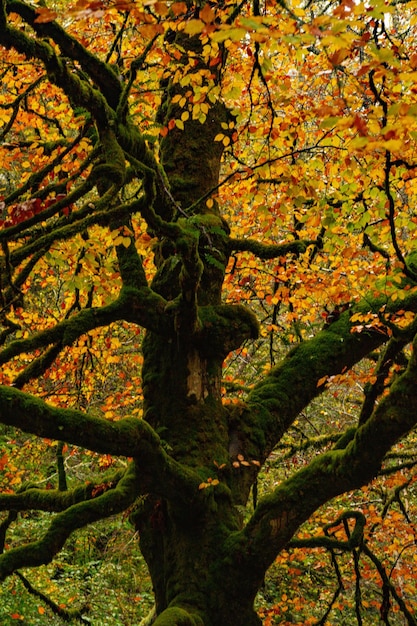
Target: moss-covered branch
x: 30, y: 414
x: 65, y: 333
x: 52, y: 500
x: 80, y: 92
x: 278, y: 515
x: 276, y: 401
x: 80, y: 220
x: 140, y: 306
x: 101, y: 73
x: 131, y: 437
x: 270, y: 251
x: 23, y: 228
x: 63, y: 524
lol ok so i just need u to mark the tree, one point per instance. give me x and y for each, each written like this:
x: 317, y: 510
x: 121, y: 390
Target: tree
x: 189, y: 169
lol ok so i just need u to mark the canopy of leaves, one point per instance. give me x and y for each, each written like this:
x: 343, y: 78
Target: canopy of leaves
x: 239, y: 181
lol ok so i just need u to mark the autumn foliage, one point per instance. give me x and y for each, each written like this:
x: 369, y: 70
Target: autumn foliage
x: 208, y: 274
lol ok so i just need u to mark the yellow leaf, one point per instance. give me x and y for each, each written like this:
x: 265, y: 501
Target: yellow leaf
x: 394, y: 145
x: 193, y: 27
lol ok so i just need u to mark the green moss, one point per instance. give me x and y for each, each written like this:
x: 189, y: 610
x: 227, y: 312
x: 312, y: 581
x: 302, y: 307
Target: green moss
x: 175, y: 616
x: 63, y: 524
x: 191, y: 158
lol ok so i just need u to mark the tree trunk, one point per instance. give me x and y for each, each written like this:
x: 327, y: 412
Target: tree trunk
x: 184, y: 552
x: 184, y: 542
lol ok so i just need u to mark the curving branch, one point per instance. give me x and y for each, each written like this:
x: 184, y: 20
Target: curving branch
x: 278, y: 515
x: 353, y: 541
x: 52, y: 500
x: 129, y: 437
x: 271, y: 251
x: 63, y: 524
x: 102, y: 103
x: 131, y: 305
x: 101, y: 73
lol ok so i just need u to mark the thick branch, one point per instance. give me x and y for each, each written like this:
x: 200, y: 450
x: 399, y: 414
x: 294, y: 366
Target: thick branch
x: 78, y: 515
x: 265, y: 251
x: 101, y: 73
x: 52, y: 500
x: 32, y: 415
x: 277, y: 400
x: 131, y: 437
x: 278, y: 516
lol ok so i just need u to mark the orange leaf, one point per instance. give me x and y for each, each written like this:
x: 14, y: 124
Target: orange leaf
x: 45, y: 15
x: 207, y: 14
x: 340, y: 55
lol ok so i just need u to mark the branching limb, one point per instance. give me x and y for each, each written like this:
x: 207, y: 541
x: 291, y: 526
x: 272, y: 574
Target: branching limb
x: 264, y: 251
x: 354, y: 539
x: 101, y: 73
x: 388, y: 589
x: 306, y: 368
x: 278, y: 515
x: 125, y: 437
x: 63, y: 524
x: 52, y: 500
x: 130, y: 437
x: 65, y: 333
x: 66, y: 614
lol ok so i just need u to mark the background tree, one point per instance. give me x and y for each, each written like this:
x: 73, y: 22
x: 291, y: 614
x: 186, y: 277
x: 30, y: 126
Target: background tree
x: 211, y: 174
